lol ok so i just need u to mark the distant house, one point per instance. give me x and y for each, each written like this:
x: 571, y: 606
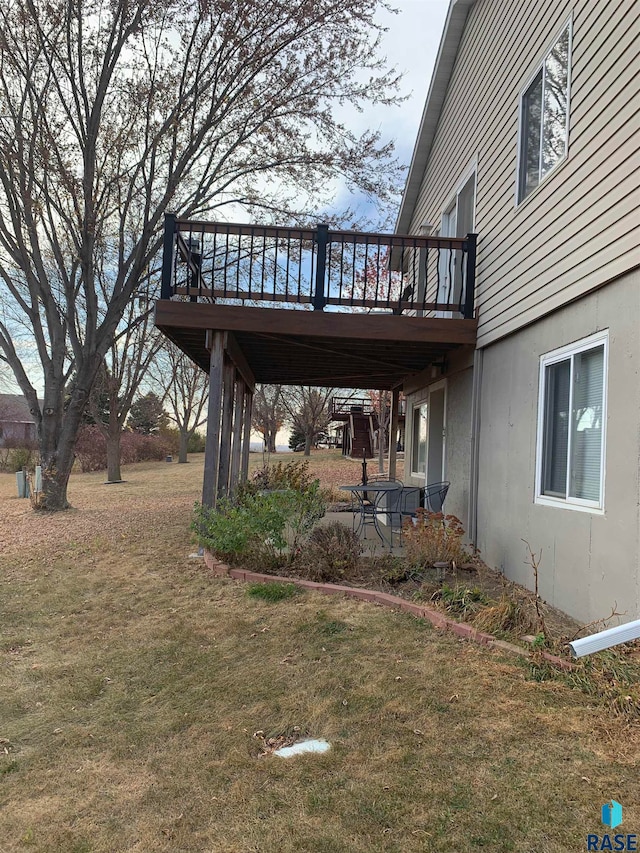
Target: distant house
x: 16, y: 421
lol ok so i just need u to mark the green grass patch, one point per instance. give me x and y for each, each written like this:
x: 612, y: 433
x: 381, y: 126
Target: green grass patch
x: 276, y: 591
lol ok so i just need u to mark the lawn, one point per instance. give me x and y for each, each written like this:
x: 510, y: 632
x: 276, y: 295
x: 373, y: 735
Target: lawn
x: 132, y: 684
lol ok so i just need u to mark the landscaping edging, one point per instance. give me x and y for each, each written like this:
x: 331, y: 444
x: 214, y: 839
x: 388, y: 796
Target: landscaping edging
x: 437, y: 619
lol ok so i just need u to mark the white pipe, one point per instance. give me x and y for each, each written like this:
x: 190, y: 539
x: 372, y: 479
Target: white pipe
x: 605, y: 639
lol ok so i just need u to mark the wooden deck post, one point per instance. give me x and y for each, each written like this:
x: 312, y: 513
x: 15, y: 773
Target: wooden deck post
x: 212, y: 444
x: 236, y: 451
x: 393, y: 432
x: 225, y: 434
x: 246, y: 438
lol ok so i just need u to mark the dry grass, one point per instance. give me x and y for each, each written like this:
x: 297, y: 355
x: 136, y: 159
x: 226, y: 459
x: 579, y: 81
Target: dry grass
x: 132, y: 684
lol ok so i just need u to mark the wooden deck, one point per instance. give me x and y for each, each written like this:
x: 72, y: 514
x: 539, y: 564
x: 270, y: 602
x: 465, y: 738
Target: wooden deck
x: 300, y: 347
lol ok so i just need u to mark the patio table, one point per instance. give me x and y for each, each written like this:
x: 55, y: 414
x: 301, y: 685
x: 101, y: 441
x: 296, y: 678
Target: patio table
x: 369, y: 512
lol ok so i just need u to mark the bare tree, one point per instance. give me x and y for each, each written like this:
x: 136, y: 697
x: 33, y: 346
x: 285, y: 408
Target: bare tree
x: 117, y: 384
x: 185, y: 390
x: 268, y: 414
x: 113, y: 112
x: 308, y: 412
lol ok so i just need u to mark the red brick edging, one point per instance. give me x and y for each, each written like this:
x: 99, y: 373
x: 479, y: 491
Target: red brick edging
x: 437, y: 619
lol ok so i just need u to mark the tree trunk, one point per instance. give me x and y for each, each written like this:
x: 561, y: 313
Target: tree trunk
x: 56, y: 468
x: 271, y: 442
x: 57, y: 441
x: 307, y: 445
x: 113, y: 457
x: 182, y: 451
x: 57, y: 433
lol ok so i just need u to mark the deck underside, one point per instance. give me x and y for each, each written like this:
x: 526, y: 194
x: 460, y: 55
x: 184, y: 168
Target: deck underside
x: 331, y: 349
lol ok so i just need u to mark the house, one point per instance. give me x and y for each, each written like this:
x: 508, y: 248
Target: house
x: 530, y: 138
x: 17, y: 426
x: 518, y: 349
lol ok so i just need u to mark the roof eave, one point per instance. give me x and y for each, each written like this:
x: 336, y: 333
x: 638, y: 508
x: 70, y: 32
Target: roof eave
x: 445, y: 61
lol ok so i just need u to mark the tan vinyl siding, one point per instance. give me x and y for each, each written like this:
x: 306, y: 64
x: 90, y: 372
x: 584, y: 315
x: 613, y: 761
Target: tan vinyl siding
x: 579, y: 228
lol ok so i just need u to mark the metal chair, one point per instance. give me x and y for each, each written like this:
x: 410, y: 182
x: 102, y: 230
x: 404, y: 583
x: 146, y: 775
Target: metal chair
x: 406, y: 504
x: 377, y: 504
x: 434, y: 496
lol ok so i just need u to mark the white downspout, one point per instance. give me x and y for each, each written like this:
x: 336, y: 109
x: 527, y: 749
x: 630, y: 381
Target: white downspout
x: 475, y: 445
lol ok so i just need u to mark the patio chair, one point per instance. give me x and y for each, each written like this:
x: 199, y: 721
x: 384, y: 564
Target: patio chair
x: 406, y: 503
x: 377, y: 504
x: 434, y: 496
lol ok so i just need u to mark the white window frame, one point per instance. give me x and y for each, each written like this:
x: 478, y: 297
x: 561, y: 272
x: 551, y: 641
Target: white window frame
x: 562, y: 354
x: 450, y: 213
x: 423, y: 400
x: 540, y: 65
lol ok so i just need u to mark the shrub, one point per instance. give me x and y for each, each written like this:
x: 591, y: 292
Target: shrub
x: 251, y: 531
x: 331, y: 554
x: 262, y: 528
x: 511, y: 615
x: 171, y: 438
x: 91, y: 448
x: 196, y: 443
x: 136, y: 447
x: 21, y: 457
x: 434, y: 538
x: 292, y: 475
x: 16, y: 454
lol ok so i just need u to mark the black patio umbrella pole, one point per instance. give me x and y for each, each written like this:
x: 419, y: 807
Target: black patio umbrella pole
x: 364, y: 466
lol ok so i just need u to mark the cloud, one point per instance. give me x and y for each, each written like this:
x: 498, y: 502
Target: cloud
x: 411, y: 45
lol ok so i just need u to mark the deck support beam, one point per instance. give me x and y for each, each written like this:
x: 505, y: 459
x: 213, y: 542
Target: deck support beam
x: 212, y: 444
x: 236, y: 449
x: 393, y: 432
x: 225, y: 434
x: 246, y: 438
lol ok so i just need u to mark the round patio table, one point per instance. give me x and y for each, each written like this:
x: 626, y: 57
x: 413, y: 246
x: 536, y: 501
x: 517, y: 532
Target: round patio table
x: 370, y: 509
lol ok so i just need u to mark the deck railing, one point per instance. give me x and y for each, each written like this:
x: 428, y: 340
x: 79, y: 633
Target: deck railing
x: 342, y: 406
x: 317, y: 267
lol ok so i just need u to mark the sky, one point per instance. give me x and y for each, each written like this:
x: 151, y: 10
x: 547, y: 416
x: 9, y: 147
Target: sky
x: 411, y: 45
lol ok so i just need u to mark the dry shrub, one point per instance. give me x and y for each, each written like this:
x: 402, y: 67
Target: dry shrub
x: 510, y: 615
x: 91, y: 448
x: 293, y: 475
x: 18, y: 454
x: 433, y: 538
x: 331, y: 554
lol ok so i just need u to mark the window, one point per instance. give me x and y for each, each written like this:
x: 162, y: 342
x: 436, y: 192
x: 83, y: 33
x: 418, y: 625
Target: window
x: 419, y: 441
x: 457, y: 221
x: 571, y: 426
x: 544, y: 117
